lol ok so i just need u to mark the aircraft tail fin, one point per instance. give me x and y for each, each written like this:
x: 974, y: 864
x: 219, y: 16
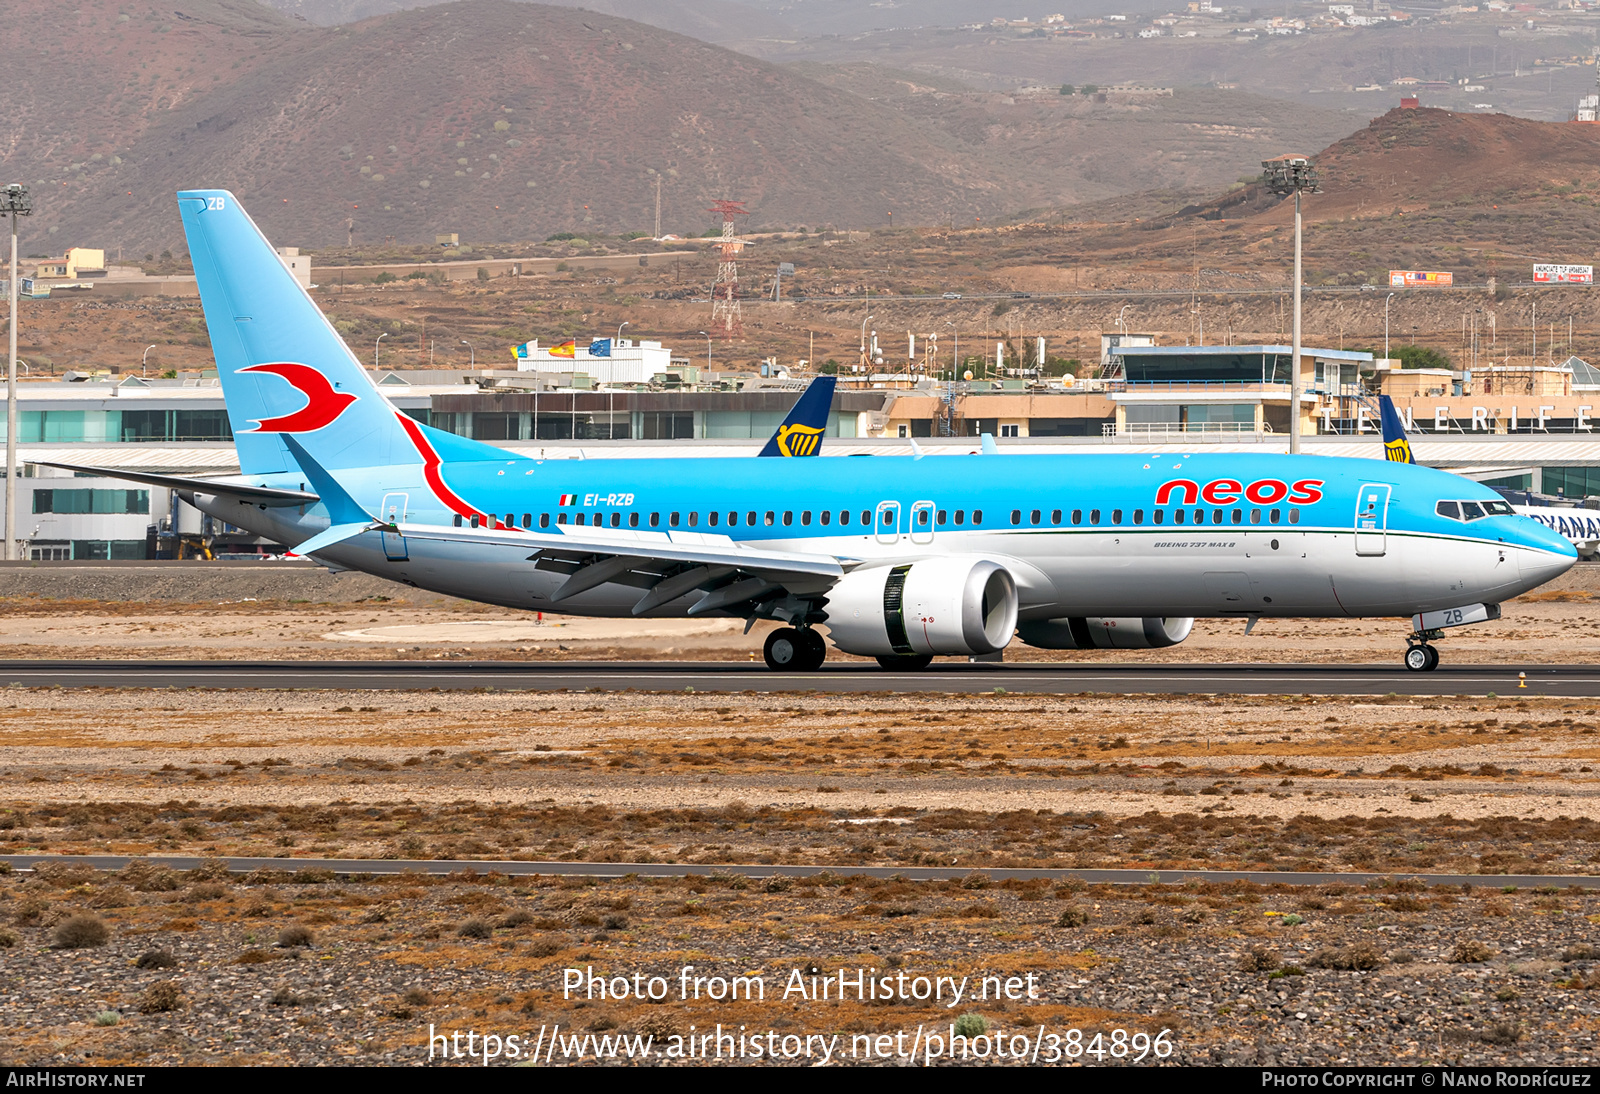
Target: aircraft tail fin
x: 1396, y: 448
x: 802, y: 431
x: 284, y: 369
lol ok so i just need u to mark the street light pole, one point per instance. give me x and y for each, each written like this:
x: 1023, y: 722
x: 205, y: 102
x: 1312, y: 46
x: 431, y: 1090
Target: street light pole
x: 472, y: 354
x: 1293, y: 175
x: 1386, y: 325
x: 707, y: 337
x: 375, y: 346
x: 144, y: 358
x: 15, y: 202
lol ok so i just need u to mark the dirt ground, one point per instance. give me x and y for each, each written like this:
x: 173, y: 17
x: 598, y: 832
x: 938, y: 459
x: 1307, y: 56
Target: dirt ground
x: 306, y: 614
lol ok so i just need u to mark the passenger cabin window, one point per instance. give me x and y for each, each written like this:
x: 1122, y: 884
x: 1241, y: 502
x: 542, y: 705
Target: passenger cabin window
x: 1273, y: 515
x: 1238, y: 516
x: 1077, y: 516
x: 1138, y: 516
x: 844, y: 516
x: 672, y: 520
x: 770, y: 518
x: 1158, y: 515
x: 749, y: 518
x: 1033, y: 517
x: 1216, y: 516
x: 1177, y: 515
x: 1055, y: 516
x: 1294, y: 516
x: 474, y: 521
x: 655, y: 520
x: 527, y: 520
x: 977, y: 516
x: 561, y: 518
x: 458, y: 520
x: 922, y: 517
x: 866, y: 517
x: 961, y: 516
x: 942, y: 516
x: 544, y: 520
x: 1016, y: 516
x: 712, y: 518
x: 1116, y: 516
x: 694, y: 519
x: 616, y: 519
x: 1255, y: 516
x: 1094, y: 516
x: 825, y: 516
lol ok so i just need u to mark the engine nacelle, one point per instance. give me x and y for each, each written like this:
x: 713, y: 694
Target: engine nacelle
x: 931, y: 606
x: 1105, y: 633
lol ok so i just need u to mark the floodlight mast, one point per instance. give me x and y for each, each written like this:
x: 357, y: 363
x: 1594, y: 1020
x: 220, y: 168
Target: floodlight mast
x: 1293, y: 175
x: 15, y: 201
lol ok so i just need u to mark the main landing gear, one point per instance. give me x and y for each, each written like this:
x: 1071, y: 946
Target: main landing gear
x: 798, y: 649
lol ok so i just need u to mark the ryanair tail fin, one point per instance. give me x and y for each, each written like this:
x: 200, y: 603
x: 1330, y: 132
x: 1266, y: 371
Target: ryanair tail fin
x: 284, y: 369
x: 801, y: 432
x: 1396, y: 448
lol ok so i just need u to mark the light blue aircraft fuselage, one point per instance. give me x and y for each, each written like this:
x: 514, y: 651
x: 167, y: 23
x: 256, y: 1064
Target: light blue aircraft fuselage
x: 900, y: 557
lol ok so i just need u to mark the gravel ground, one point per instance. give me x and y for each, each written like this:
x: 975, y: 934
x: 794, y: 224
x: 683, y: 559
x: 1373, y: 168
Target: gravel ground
x: 1237, y: 974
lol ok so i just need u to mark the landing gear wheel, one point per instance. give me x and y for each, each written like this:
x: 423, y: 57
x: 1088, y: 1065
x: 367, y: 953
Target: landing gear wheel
x: 1422, y: 658
x: 912, y: 662
x: 785, y: 649
x: 813, y: 647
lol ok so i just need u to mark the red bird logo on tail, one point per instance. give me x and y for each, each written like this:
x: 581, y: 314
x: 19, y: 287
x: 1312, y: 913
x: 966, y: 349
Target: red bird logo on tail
x: 323, y: 404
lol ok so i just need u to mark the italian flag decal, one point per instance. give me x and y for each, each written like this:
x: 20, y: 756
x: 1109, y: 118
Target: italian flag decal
x: 569, y: 499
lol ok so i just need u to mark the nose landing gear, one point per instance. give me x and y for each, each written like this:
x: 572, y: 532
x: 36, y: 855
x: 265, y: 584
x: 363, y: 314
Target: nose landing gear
x: 796, y: 649
x: 1421, y: 657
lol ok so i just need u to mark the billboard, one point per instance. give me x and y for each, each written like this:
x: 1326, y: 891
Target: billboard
x: 1417, y: 279
x: 1545, y: 273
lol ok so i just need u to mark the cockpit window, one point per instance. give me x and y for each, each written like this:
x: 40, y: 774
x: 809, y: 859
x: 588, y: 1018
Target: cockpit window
x: 1473, y: 510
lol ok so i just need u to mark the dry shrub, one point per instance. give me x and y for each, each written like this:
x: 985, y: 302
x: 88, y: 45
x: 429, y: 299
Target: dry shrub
x: 286, y: 996
x: 519, y: 918
x: 475, y: 928
x: 64, y: 875
x: 1356, y: 956
x: 8, y: 938
x: 1073, y: 917
x: 1583, y: 951
x: 30, y: 910
x: 160, y: 997
x: 418, y: 997
x: 546, y: 945
x: 115, y: 895
x: 1469, y: 951
x: 206, y: 890
x: 1259, y: 959
x: 156, y: 959
x: 146, y: 877
x: 295, y: 935
x: 984, y: 910
x: 211, y: 870
x: 83, y: 931
x: 659, y: 1026
x: 253, y: 957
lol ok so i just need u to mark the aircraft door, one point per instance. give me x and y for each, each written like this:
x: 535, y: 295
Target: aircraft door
x: 922, y: 522
x: 1372, y: 519
x: 887, y: 525
x: 393, y: 511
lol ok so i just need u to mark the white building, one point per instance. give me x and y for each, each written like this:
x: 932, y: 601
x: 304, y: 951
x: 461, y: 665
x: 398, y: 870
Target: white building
x: 620, y: 360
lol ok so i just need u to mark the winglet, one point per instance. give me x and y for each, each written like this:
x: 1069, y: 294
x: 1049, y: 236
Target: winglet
x: 989, y: 447
x: 342, y: 508
x: 1396, y: 449
x: 801, y: 432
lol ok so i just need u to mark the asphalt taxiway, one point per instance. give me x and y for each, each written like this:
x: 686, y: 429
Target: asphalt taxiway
x: 714, y: 676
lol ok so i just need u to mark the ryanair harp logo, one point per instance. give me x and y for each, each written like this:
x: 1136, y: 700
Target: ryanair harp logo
x: 1397, y: 451
x: 799, y: 440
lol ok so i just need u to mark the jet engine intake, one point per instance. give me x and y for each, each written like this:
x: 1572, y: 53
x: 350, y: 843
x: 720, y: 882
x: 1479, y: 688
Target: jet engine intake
x: 1105, y: 633
x: 931, y: 606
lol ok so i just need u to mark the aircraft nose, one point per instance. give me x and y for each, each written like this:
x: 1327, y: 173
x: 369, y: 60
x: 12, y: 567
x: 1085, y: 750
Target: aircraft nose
x: 1547, y: 561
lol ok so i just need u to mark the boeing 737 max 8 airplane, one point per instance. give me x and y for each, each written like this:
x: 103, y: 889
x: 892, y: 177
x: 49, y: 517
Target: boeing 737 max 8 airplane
x: 901, y: 558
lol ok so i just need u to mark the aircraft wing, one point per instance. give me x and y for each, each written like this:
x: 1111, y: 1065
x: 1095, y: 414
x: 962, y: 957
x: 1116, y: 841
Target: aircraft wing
x: 664, y: 565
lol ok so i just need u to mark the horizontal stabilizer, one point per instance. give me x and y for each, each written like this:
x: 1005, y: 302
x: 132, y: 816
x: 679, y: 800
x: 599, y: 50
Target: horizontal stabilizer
x: 337, y: 534
x: 259, y: 495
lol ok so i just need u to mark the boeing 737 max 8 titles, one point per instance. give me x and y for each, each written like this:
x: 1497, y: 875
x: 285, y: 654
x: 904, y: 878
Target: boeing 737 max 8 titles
x: 901, y: 558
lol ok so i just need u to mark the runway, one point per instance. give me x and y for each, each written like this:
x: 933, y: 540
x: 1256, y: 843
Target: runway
x: 518, y: 868
x: 952, y: 677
